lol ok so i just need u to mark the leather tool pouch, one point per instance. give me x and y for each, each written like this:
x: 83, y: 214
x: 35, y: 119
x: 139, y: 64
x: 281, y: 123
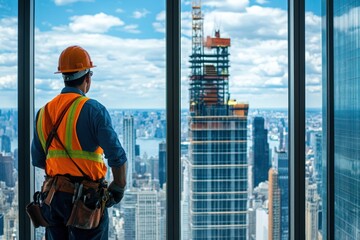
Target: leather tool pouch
x: 84, y: 217
x: 33, y: 210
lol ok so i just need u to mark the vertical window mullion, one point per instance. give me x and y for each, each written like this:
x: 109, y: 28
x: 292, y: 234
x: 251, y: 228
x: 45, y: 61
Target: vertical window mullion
x: 25, y: 112
x: 296, y: 30
x: 330, y: 119
x: 173, y: 230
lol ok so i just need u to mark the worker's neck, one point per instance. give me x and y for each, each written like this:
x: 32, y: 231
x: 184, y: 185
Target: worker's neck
x: 83, y: 87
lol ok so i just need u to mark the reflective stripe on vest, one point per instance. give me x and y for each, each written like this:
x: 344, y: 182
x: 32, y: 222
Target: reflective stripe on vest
x: 39, y: 125
x: 57, y: 160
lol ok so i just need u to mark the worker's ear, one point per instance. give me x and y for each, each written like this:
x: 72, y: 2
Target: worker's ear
x: 88, y: 79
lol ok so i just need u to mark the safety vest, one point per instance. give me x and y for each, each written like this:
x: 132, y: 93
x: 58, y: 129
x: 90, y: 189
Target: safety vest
x: 57, y: 160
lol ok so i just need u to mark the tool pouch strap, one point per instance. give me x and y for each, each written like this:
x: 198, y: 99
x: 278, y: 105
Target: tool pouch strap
x: 53, y: 184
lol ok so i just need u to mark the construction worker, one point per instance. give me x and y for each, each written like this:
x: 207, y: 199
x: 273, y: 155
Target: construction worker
x: 72, y: 133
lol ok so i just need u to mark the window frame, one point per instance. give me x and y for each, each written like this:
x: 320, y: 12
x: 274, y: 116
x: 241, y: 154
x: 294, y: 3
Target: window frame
x: 26, y: 175
x: 296, y: 94
x: 329, y: 113
x: 296, y: 29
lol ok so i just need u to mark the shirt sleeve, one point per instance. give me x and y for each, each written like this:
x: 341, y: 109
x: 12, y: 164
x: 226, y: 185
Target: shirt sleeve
x: 37, y: 152
x: 107, y: 137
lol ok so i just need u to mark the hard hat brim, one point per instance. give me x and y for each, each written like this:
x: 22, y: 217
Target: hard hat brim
x: 74, y: 70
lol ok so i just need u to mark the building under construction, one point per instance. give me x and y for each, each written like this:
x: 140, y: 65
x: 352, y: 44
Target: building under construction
x: 218, y: 141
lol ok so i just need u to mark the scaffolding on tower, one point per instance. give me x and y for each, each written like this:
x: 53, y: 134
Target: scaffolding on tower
x: 209, y: 63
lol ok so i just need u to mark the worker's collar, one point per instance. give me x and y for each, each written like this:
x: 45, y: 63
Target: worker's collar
x: 72, y: 90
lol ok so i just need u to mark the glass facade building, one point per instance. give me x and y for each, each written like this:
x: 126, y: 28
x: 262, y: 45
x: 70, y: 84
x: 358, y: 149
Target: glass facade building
x: 260, y: 151
x: 346, y: 119
x: 281, y: 164
x: 218, y: 178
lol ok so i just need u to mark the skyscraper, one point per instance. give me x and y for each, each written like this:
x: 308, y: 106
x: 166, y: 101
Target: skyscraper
x: 281, y: 164
x: 312, y: 208
x: 147, y: 215
x: 6, y: 170
x: 144, y: 212
x: 260, y: 151
x: 274, y: 205
x: 129, y: 208
x: 5, y: 144
x: 218, y: 142
x: 129, y: 142
x: 346, y: 122
x: 162, y: 163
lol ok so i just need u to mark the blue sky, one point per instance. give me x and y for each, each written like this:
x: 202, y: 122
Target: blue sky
x: 126, y: 40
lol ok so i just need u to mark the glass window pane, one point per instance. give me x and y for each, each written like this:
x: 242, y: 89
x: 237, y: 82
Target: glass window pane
x: 9, y: 221
x: 235, y: 120
x: 346, y: 120
x: 314, y: 140
x: 126, y: 42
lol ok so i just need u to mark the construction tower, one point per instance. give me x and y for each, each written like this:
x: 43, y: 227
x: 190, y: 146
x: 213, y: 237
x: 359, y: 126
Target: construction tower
x: 218, y: 163
x: 209, y: 80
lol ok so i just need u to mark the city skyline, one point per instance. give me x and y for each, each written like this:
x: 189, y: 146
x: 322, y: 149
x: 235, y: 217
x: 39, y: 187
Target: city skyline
x: 146, y: 122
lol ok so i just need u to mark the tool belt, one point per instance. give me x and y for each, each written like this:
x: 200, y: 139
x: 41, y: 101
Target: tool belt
x: 89, y: 200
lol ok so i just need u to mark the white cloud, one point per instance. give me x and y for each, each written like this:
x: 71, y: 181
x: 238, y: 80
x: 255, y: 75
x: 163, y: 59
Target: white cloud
x: 140, y: 13
x: 119, y: 10
x: 65, y: 2
x: 230, y: 5
x: 131, y: 71
x: 348, y: 21
x: 133, y: 28
x: 8, y: 82
x: 98, y: 23
x: 128, y: 70
x: 159, y: 24
x: 8, y: 34
x: 254, y: 22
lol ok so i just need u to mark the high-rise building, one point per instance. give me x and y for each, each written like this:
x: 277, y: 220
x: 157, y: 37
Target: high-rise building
x: 281, y: 164
x: 154, y: 168
x: 260, y: 151
x: 147, y: 215
x: 129, y: 208
x: 312, y: 208
x: 262, y: 224
x: 346, y: 115
x: 129, y: 142
x: 11, y: 224
x: 5, y: 144
x: 6, y: 170
x: 281, y: 127
x: 137, y: 150
x: 162, y: 163
x: 274, y: 206
x: 218, y: 142
x: 318, y: 155
x: 144, y: 212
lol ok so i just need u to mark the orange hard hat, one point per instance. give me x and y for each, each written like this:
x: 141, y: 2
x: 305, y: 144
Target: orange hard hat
x: 74, y: 59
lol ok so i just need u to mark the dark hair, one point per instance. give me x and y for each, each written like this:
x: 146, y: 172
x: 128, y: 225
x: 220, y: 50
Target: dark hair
x: 75, y: 82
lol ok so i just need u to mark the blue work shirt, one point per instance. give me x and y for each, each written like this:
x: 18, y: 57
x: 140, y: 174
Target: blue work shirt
x: 93, y: 129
